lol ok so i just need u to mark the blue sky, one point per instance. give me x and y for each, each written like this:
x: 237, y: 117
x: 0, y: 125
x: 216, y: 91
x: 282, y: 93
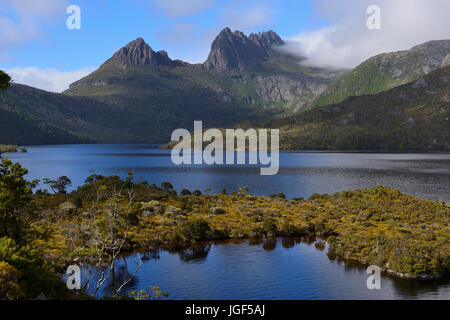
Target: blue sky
x: 37, y: 48
x: 110, y: 24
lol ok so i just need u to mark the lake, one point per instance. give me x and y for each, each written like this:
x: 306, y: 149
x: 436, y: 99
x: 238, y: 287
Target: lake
x: 284, y: 268
x: 301, y: 174
x: 257, y: 269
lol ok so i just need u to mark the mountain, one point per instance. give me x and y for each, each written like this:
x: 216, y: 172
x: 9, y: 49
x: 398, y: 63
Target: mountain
x: 142, y: 95
x: 138, y: 52
x: 244, y: 78
x: 236, y: 51
x: 414, y: 117
x: 31, y: 116
x: 386, y: 71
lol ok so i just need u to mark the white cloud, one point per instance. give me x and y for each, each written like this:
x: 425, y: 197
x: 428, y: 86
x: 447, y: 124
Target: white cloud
x: 246, y: 17
x: 187, y: 41
x: 29, y: 16
x: 177, y: 8
x: 348, y: 41
x: 47, y: 79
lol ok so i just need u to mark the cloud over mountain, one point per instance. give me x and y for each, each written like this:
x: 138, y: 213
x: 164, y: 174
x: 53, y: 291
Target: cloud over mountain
x: 347, y: 41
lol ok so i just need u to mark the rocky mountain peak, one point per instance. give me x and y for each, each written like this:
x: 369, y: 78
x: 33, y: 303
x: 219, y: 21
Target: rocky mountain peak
x: 266, y: 39
x: 235, y: 51
x: 138, y: 52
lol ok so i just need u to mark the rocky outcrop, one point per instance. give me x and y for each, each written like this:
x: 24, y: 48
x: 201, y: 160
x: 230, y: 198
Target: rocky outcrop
x: 386, y: 71
x: 138, y: 52
x: 421, y: 59
x: 446, y: 61
x: 235, y: 51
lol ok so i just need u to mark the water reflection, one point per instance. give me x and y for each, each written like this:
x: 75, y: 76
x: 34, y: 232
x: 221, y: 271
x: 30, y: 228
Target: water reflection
x: 271, y: 268
x: 191, y: 253
x: 270, y: 244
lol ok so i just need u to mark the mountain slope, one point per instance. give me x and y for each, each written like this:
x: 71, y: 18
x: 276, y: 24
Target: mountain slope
x: 139, y: 95
x: 414, y: 116
x: 32, y: 116
x: 386, y: 71
x: 244, y: 78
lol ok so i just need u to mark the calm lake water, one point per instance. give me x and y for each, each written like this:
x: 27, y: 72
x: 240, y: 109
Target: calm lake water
x: 300, y: 175
x: 284, y: 268
x: 272, y: 269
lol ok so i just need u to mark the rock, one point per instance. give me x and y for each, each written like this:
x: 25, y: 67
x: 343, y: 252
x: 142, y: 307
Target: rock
x: 235, y: 51
x: 446, y: 61
x: 138, y: 52
x: 420, y: 83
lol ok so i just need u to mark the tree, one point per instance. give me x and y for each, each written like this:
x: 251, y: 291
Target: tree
x: 185, y: 192
x: 60, y: 185
x: 166, y: 186
x: 5, y: 80
x: 15, y: 196
x: 9, y: 282
x: 107, y: 237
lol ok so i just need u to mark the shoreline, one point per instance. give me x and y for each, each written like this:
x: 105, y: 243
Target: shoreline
x: 307, y: 239
x: 162, y: 146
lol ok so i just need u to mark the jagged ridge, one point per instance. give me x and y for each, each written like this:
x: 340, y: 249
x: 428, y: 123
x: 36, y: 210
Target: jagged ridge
x: 234, y: 50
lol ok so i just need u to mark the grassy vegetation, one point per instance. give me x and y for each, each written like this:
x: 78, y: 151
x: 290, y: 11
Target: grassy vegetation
x: 384, y: 72
x: 9, y: 148
x: 42, y: 233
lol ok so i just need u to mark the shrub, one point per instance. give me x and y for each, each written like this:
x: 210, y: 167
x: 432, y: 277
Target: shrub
x: 185, y: 192
x: 68, y: 207
x: 77, y: 202
x: 217, y: 210
x: 152, y: 206
x: 9, y: 282
x: 269, y: 227
x: 36, y: 277
x: 315, y: 196
x: 171, y: 210
x: 166, y: 186
x: 197, y: 229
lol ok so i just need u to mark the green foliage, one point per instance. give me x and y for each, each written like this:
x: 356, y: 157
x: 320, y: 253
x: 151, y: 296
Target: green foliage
x: 197, y: 229
x: 381, y: 226
x: 4, y: 148
x: 77, y: 202
x: 5, y: 80
x: 217, y: 210
x: 383, y: 72
x: 59, y: 185
x: 29, y: 275
x: 9, y: 282
x: 15, y: 195
x: 151, y: 294
x: 269, y: 227
x: 413, y: 117
x: 166, y: 186
x: 185, y: 192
